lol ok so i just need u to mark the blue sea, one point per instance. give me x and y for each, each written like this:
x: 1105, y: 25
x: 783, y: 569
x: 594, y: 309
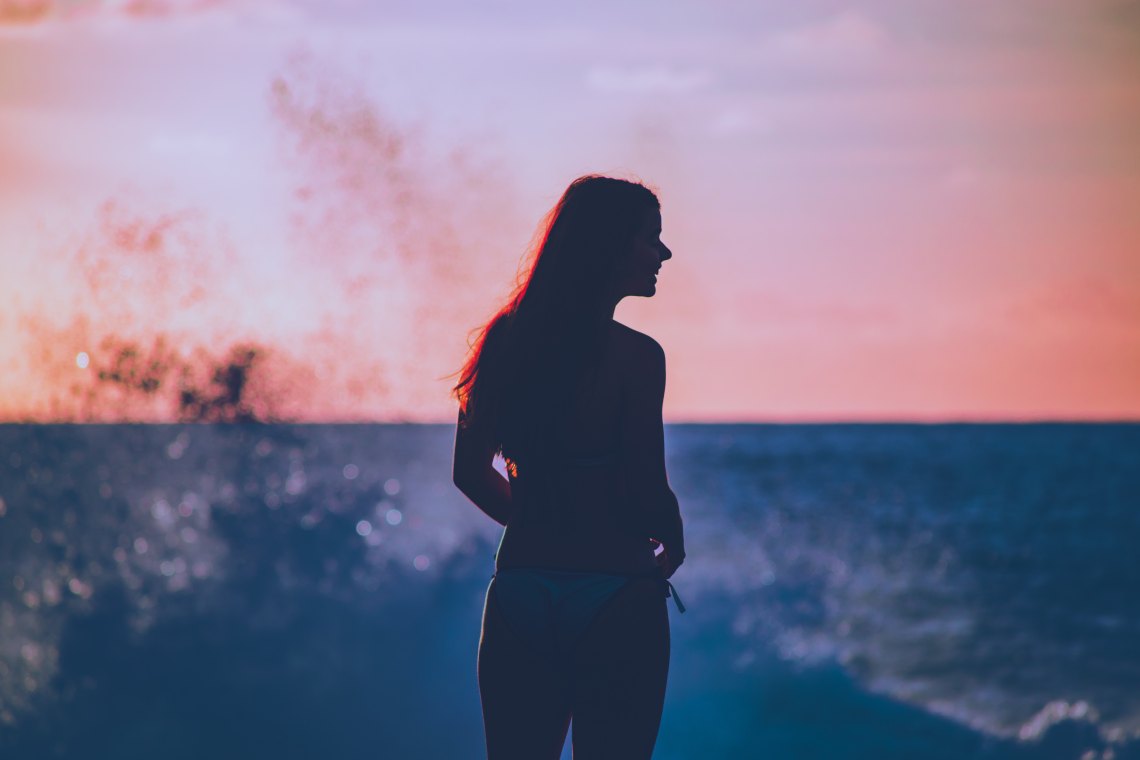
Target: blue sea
x: 315, y: 591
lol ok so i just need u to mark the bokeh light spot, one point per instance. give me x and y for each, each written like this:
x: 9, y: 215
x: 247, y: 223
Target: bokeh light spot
x: 79, y: 588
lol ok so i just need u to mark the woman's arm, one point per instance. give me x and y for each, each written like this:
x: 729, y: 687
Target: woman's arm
x: 474, y: 474
x: 643, y: 444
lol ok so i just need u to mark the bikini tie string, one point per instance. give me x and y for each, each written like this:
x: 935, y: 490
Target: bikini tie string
x: 671, y: 591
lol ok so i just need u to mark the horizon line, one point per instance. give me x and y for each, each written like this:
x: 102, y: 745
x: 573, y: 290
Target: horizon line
x: 949, y: 420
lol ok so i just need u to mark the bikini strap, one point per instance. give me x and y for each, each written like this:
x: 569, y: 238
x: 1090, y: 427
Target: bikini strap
x: 671, y: 591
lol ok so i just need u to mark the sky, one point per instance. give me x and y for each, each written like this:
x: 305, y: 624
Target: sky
x: 879, y: 210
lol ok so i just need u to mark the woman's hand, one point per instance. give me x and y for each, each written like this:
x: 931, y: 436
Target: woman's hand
x: 668, y: 562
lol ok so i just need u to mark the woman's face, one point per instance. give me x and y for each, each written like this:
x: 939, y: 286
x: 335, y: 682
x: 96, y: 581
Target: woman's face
x: 640, y: 272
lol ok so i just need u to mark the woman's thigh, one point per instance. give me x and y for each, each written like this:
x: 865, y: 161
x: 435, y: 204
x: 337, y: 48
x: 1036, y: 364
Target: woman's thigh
x: 620, y: 672
x: 526, y: 702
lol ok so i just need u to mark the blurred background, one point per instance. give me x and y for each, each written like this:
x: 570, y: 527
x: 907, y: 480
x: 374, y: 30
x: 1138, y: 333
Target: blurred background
x: 902, y: 321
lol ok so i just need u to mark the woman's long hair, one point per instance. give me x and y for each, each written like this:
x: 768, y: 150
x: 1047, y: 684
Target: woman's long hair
x: 531, y: 357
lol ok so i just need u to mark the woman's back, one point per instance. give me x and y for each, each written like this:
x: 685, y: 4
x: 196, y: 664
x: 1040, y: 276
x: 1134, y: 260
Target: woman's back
x: 580, y: 516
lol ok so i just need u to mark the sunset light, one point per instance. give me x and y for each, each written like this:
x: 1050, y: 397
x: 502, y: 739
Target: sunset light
x: 878, y: 212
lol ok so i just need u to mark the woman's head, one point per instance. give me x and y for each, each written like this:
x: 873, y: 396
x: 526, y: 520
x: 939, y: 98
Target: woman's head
x: 597, y: 245
x: 591, y: 248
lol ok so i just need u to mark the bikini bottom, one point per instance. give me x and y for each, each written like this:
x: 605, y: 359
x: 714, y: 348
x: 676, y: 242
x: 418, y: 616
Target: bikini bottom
x: 551, y: 609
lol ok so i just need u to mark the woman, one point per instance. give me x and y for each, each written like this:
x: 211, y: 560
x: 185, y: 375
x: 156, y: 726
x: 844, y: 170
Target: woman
x: 574, y: 621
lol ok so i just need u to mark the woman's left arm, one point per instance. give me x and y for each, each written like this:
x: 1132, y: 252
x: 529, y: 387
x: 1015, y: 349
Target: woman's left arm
x: 474, y: 474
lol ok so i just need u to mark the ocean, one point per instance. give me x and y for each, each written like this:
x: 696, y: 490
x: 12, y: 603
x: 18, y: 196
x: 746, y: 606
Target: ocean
x: 300, y: 591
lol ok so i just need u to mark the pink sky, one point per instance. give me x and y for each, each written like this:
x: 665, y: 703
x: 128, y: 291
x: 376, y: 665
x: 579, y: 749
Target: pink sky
x: 890, y: 210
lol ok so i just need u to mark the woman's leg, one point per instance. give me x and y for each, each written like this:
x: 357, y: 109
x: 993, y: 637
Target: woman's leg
x: 526, y: 702
x: 621, y: 667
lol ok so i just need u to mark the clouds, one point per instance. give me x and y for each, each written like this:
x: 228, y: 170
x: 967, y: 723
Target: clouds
x: 646, y: 79
x: 19, y: 12
x: 841, y: 38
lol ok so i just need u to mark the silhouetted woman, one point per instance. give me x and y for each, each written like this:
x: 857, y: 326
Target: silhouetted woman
x: 574, y: 621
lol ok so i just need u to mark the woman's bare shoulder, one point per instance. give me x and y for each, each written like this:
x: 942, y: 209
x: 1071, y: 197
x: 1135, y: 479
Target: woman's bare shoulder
x: 639, y: 352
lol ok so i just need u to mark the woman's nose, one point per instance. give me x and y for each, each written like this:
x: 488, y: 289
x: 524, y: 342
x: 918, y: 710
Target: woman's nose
x: 665, y: 252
